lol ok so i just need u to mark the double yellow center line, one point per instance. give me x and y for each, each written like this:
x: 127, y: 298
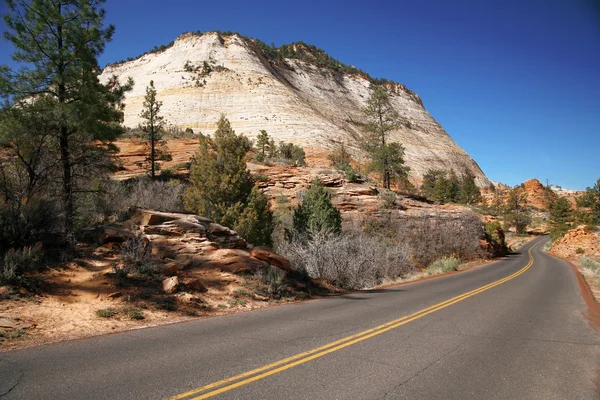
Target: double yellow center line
x: 245, y: 378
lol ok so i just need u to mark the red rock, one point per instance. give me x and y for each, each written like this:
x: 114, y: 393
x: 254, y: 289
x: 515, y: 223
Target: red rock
x: 270, y: 257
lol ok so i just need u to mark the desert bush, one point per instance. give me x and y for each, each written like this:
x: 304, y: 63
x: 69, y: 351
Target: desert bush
x: 168, y: 303
x: 106, y: 312
x: 589, y: 264
x: 443, y: 265
x: 136, y: 257
x: 275, y: 281
x: 157, y: 195
x: 136, y: 314
x: 579, y: 251
x: 352, y: 260
x: 387, y: 198
x: 432, y: 237
x: 112, y: 200
x: 27, y: 224
x: 16, y: 263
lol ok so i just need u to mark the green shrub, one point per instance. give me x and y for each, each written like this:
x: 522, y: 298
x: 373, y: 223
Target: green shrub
x: 443, y: 265
x: 16, y: 263
x: 291, y: 154
x: 136, y: 314
x: 255, y: 222
x: 106, y: 312
x: 316, y: 213
x: 275, y: 282
x: 27, y: 224
x: 168, y: 303
x: 579, y: 251
x: 494, y: 235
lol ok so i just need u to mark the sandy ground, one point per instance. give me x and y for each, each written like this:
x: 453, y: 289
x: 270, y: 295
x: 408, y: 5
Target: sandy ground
x: 67, y: 309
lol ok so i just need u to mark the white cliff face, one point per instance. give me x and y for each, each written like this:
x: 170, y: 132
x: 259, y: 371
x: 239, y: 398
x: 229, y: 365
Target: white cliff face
x: 298, y: 103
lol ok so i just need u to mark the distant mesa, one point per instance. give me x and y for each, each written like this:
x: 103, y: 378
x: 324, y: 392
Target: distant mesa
x: 296, y: 92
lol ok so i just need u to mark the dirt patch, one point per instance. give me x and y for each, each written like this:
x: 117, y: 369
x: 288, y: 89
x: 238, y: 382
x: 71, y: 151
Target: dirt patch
x: 84, y: 298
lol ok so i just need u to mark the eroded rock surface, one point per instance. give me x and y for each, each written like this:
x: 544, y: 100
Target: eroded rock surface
x: 294, y: 101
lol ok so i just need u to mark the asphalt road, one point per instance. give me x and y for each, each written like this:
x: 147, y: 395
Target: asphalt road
x: 514, y: 329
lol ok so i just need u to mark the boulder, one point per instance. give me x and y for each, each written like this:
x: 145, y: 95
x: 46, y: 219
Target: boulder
x: 170, y: 284
x: 271, y: 258
x: 195, y: 285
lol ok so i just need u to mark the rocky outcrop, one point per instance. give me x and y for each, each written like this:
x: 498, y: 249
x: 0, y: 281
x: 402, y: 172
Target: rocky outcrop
x: 537, y: 195
x: 578, y: 242
x: 293, y: 100
x: 186, y: 241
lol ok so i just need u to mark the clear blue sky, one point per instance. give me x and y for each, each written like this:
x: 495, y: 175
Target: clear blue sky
x: 516, y: 83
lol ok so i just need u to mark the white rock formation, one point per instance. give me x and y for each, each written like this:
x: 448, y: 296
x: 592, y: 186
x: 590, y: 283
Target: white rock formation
x: 297, y: 102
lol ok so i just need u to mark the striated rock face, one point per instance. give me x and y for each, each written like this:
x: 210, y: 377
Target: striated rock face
x: 293, y: 100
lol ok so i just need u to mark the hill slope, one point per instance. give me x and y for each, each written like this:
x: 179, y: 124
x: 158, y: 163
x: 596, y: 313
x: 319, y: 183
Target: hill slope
x: 200, y: 76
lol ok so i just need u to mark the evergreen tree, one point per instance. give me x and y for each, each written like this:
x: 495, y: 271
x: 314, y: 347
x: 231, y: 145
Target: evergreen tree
x: 443, y: 190
x: 263, y: 144
x: 591, y: 201
x: 222, y: 187
x: 316, y: 213
x: 57, y: 43
x: 515, y: 212
x: 220, y: 180
x: 469, y: 191
x: 429, y: 180
x: 560, y: 218
x: 255, y: 222
x: 153, y: 129
x: 387, y: 159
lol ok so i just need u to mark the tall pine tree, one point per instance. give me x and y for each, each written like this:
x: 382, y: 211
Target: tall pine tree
x: 153, y: 129
x: 387, y: 158
x: 57, y: 45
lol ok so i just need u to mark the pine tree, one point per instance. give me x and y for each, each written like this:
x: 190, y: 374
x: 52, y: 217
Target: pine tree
x: 591, y: 201
x: 57, y: 44
x: 153, y: 129
x: 316, y: 213
x: 515, y: 212
x: 221, y: 183
x: 263, y: 144
x: 560, y: 218
x: 222, y: 187
x: 387, y: 159
x: 255, y: 222
x: 469, y: 191
x: 429, y: 180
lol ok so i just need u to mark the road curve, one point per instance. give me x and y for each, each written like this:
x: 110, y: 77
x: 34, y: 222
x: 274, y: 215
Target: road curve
x: 514, y: 329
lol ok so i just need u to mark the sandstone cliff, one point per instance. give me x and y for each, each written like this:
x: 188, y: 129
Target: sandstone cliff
x: 200, y: 76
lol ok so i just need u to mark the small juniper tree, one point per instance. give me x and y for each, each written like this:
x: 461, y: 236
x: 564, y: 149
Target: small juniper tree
x: 469, y: 191
x: 591, y: 201
x: 153, y: 129
x: 222, y: 187
x: 316, y: 213
x: 560, y: 218
x: 515, y: 212
x: 263, y: 145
